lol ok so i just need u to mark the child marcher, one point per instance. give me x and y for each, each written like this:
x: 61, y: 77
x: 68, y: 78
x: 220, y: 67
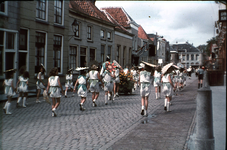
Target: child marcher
x: 22, y: 85
x: 167, y: 85
x: 94, y: 79
x: 145, y: 81
x: 117, y: 78
x: 157, y: 81
x: 181, y: 79
x: 54, y: 86
x: 69, y: 81
x: 40, y: 84
x: 82, y: 86
x: 9, y: 90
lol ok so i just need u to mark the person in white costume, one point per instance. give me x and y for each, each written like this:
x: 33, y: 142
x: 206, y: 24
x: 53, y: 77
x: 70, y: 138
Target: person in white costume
x: 53, y: 87
x: 22, y: 85
x: 181, y: 79
x: 94, y: 79
x: 69, y: 81
x: 167, y: 85
x: 9, y: 90
x: 157, y: 82
x: 145, y: 82
x: 108, y: 78
x: 135, y: 77
x: 116, y: 82
x: 82, y: 86
x: 40, y: 84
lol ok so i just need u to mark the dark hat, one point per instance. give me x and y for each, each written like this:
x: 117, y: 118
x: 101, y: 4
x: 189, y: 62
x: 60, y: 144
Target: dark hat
x: 94, y: 67
x: 43, y: 66
x: 107, y: 58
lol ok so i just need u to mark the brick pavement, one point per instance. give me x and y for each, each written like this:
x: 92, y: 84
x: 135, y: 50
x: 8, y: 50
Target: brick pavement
x: 117, y: 125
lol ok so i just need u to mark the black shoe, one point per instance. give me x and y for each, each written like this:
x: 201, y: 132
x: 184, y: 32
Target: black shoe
x: 17, y: 105
x: 82, y: 108
x: 142, y: 112
x: 65, y: 96
x: 165, y: 108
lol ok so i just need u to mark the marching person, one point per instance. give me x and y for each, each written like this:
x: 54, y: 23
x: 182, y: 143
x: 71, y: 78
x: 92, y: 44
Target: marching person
x: 82, y: 86
x: 145, y: 81
x: 116, y: 82
x: 189, y: 70
x: 21, y: 72
x: 157, y: 82
x: 69, y: 81
x: 54, y: 86
x: 181, y: 79
x: 40, y: 84
x: 135, y: 77
x: 9, y: 90
x: 22, y: 85
x: 108, y: 74
x: 167, y: 85
x: 94, y: 78
x: 200, y: 76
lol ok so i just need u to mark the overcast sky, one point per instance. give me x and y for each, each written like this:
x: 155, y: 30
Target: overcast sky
x: 180, y: 21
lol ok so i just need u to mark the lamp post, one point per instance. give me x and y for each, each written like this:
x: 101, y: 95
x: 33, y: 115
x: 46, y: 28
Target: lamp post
x: 75, y: 28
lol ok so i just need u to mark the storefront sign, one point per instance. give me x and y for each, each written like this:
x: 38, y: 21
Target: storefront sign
x: 222, y: 15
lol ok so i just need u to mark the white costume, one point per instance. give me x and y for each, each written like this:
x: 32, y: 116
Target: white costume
x: 69, y: 80
x: 126, y: 70
x: 8, y: 88
x: 23, y: 87
x: 117, y: 78
x: 54, y: 87
x: 94, y: 81
x: 38, y: 83
x: 167, y: 88
x: 108, y: 81
x: 82, y: 87
x: 157, y: 78
x: 181, y: 78
x: 145, y: 80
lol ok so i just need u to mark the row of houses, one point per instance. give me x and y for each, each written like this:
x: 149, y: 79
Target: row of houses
x: 65, y: 34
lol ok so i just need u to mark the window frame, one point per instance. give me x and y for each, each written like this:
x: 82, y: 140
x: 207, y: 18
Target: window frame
x: 73, y: 55
x: 92, y: 58
x: 23, y: 50
x: 59, y: 47
x: 62, y: 12
x: 89, y: 32
x: 109, y: 35
x: 102, y: 34
x: 46, y: 11
x: 5, y: 13
x: 102, y: 53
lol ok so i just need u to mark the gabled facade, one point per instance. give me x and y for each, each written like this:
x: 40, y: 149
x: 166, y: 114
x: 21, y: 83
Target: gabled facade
x: 188, y: 54
x: 91, y: 34
x: 119, y: 15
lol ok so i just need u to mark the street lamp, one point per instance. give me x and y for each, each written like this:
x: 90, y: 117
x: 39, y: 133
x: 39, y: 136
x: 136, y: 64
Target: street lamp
x: 75, y: 28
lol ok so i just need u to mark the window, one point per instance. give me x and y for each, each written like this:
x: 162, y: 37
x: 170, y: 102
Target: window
x: 72, y: 57
x: 1, y: 52
x: 197, y: 57
x: 23, y: 47
x: 109, y: 35
x: 192, y: 56
x: 102, y: 34
x: 183, y: 57
x: 10, y: 40
x: 57, y: 52
x: 76, y: 30
x: 92, y: 54
x: 89, y: 32
x: 124, y: 55
x: 187, y: 57
x: 58, y: 5
x: 41, y: 9
x: 39, y: 50
x: 23, y: 39
x: 83, y: 62
x: 118, y: 54
x: 109, y: 52
x: 3, y: 7
x: 102, y: 52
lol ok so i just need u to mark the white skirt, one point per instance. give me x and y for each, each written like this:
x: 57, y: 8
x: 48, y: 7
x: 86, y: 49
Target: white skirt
x: 145, y: 89
x: 55, y: 93
x: 95, y: 88
x: 69, y: 85
x: 9, y: 91
x: 167, y: 89
x: 23, y: 89
x: 117, y: 80
x: 108, y: 86
x: 81, y: 92
x: 40, y: 85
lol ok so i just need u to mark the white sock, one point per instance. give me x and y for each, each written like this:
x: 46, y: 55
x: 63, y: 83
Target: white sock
x: 7, y: 108
x: 168, y: 106
x: 165, y: 101
x: 65, y: 92
x: 156, y: 94
x: 94, y: 100
x: 6, y: 104
x: 106, y: 98
x: 145, y: 112
x: 142, y: 107
x: 24, y: 102
x: 19, y: 99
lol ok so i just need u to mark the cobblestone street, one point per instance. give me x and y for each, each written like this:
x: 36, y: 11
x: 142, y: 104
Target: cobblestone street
x: 99, y: 127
